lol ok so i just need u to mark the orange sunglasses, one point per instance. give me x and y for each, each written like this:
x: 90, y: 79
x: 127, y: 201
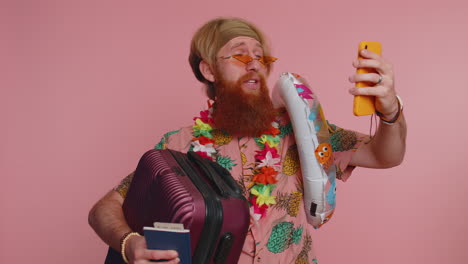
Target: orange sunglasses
x: 246, y: 59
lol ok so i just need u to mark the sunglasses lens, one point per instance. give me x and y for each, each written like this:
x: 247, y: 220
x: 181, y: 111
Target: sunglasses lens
x: 267, y: 60
x: 243, y: 58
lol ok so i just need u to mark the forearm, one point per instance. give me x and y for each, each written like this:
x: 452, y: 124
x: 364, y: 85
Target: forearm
x: 107, y: 219
x: 389, y: 143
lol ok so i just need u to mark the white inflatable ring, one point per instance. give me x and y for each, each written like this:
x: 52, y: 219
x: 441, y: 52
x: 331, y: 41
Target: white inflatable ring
x: 312, y: 135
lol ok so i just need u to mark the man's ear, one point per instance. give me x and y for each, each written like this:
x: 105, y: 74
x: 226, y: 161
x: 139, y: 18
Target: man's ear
x: 206, y: 70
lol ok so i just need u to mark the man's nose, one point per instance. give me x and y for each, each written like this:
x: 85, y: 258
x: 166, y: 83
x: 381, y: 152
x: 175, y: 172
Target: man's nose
x: 253, y: 65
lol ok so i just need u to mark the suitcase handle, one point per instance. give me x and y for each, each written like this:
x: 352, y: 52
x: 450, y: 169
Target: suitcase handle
x: 208, y: 168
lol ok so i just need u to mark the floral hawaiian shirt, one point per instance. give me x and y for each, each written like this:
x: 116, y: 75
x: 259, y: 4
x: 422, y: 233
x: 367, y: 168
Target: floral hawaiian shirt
x: 283, y: 235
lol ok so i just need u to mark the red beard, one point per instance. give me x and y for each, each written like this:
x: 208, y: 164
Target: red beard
x: 239, y: 113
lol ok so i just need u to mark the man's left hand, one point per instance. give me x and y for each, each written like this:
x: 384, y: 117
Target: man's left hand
x: 386, y: 101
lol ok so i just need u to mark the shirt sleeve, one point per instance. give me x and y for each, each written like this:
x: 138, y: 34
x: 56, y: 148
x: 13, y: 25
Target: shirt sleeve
x: 178, y: 140
x: 344, y: 144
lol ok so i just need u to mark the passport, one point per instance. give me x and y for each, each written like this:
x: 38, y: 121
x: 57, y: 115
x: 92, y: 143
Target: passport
x: 169, y: 236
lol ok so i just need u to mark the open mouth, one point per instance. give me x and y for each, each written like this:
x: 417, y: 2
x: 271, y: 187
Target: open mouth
x: 253, y: 81
x: 252, y: 84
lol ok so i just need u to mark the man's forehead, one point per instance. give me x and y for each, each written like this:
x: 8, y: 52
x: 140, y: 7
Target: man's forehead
x: 243, y: 42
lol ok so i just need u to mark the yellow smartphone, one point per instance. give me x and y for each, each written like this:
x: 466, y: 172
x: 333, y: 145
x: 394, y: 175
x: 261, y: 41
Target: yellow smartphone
x: 365, y: 105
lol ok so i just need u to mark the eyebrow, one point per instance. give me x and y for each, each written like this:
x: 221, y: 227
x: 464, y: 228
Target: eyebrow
x: 243, y: 44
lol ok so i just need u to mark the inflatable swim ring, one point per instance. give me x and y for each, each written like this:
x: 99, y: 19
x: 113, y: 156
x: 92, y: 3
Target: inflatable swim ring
x: 312, y: 134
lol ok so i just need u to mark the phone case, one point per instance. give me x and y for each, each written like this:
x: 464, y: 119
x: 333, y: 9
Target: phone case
x: 365, y: 105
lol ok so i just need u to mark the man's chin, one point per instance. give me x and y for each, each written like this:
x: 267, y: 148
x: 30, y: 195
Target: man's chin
x: 250, y: 90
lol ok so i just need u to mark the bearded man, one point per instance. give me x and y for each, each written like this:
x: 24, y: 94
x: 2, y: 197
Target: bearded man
x: 230, y: 56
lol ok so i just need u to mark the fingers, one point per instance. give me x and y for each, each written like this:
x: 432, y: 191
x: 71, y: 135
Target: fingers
x: 174, y: 261
x: 366, y: 77
x: 365, y: 53
x: 143, y: 261
x: 145, y: 255
x: 373, y: 61
x: 383, y: 76
x: 377, y: 65
x: 138, y: 253
x: 379, y: 91
x: 161, y: 254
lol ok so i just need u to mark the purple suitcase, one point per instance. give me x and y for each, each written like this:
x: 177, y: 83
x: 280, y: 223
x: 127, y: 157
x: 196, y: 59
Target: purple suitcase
x: 174, y: 187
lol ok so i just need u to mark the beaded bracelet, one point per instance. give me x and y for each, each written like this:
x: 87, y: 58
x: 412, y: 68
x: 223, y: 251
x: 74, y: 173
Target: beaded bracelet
x: 123, y: 241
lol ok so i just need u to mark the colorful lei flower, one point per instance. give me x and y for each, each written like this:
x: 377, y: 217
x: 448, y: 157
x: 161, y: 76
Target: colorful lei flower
x: 267, y: 161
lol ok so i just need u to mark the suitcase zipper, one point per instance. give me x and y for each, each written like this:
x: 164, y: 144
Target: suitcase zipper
x: 204, y: 164
x: 228, y: 186
x: 213, y: 212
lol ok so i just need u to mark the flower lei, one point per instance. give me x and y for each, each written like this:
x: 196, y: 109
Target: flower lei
x: 267, y: 161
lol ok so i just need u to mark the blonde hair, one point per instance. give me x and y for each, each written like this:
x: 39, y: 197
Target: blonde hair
x: 212, y: 36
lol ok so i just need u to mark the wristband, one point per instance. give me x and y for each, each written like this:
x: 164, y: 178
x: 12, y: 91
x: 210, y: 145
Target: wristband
x: 397, y: 116
x: 123, y: 241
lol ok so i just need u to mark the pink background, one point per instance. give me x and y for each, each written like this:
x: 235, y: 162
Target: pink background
x: 87, y: 87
